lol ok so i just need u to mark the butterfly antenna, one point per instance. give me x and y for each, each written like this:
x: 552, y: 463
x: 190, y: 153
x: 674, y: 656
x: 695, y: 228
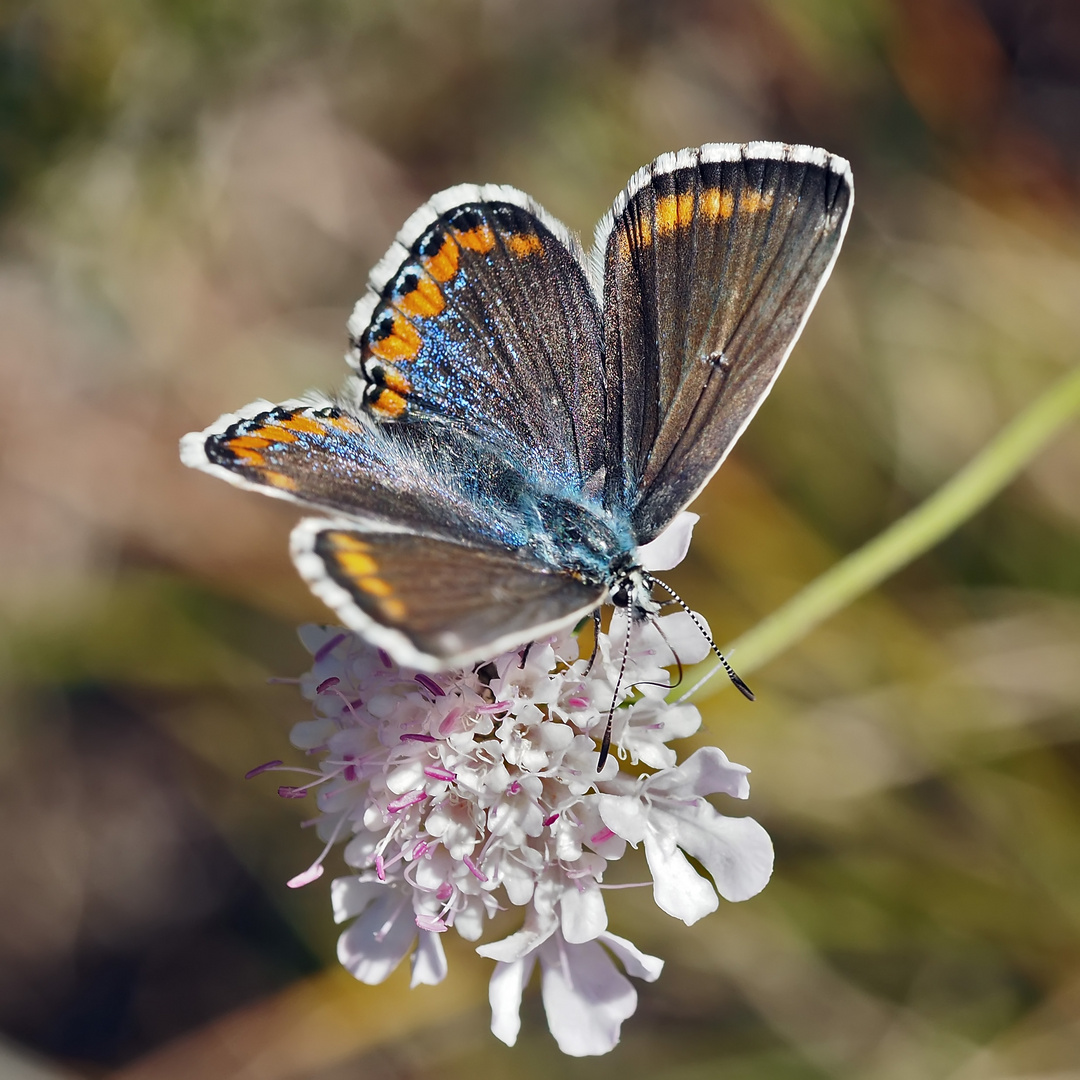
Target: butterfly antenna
x: 605, y: 746
x: 732, y: 674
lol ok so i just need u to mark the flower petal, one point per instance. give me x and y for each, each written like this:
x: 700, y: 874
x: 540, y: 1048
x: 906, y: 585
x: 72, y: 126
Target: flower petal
x: 678, y: 888
x: 351, y: 895
x: 669, y: 549
x: 377, y: 942
x: 586, y: 998
x: 428, y: 960
x: 640, y: 965
x: 504, y: 993
x: 624, y: 815
x: 737, y: 852
x: 705, y: 772
x: 584, y: 916
x: 540, y: 923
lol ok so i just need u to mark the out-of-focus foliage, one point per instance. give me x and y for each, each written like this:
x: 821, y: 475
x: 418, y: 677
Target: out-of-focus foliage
x: 193, y: 192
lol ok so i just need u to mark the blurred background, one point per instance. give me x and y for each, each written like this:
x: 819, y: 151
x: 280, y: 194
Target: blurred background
x: 191, y: 195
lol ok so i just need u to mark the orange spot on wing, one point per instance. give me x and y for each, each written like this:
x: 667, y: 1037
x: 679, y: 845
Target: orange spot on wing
x: 715, y: 204
x: 356, y: 564
x: 375, y: 586
x: 424, y: 301
x: 248, y: 456
x: 402, y: 343
x: 524, y: 244
x: 397, y: 382
x: 299, y: 422
x: 275, y: 433
x: 248, y: 448
x: 481, y: 239
x: 667, y: 214
x: 344, y: 423
x: 344, y: 541
x: 392, y: 609
x: 389, y: 404
x: 443, y: 265
x: 673, y: 211
x: 280, y: 480
x: 752, y: 202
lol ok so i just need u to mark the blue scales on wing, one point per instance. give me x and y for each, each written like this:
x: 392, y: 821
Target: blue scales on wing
x: 416, y: 474
x: 486, y: 321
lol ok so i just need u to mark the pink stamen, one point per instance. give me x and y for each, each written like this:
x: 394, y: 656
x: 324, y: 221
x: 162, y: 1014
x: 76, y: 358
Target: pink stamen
x: 601, y: 836
x: 550, y: 819
x: 495, y: 706
x: 312, y: 873
x: 384, y: 656
x: 473, y: 869
x: 431, y: 923
x: 655, y: 727
x: 445, y: 891
x: 448, y: 721
x: 513, y: 789
x: 578, y: 702
x: 417, y: 738
x: 288, y: 792
x: 326, y: 684
x: 429, y: 684
x: 437, y: 773
x: 380, y: 868
x: 262, y: 768
x: 405, y: 801
x: 353, y: 705
x: 325, y: 650
x: 420, y: 850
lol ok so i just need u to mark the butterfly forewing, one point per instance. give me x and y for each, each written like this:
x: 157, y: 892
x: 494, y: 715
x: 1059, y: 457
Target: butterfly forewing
x: 713, y: 260
x: 486, y: 320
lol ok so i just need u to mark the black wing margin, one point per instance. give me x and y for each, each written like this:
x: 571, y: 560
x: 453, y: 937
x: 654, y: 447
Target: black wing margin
x: 713, y: 260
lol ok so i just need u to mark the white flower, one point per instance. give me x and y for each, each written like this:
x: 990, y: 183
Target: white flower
x: 462, y: 793
x: 667, y: 811
x: 586, y: 997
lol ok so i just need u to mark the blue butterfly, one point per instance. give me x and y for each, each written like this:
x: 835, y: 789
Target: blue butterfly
x: 525, y: 417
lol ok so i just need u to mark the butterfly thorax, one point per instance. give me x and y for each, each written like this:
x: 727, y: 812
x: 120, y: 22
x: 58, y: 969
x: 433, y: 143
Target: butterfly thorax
x: 583, y: 539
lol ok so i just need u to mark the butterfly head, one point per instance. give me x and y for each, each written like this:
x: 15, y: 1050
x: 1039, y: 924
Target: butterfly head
x: 632, y: 590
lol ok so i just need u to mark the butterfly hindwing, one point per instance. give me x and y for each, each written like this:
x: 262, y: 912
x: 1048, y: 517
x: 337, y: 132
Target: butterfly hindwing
x: 434, y: 603
x: 481, y: 314
x: 713, y: 259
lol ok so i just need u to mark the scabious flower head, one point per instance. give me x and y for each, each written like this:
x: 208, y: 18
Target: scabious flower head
x: 461, y: 794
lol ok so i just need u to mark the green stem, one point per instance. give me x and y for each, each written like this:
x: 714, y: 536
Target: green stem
x: 916, y: 532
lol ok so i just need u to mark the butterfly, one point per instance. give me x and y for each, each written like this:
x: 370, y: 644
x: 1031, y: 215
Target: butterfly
x: 524, y: 417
